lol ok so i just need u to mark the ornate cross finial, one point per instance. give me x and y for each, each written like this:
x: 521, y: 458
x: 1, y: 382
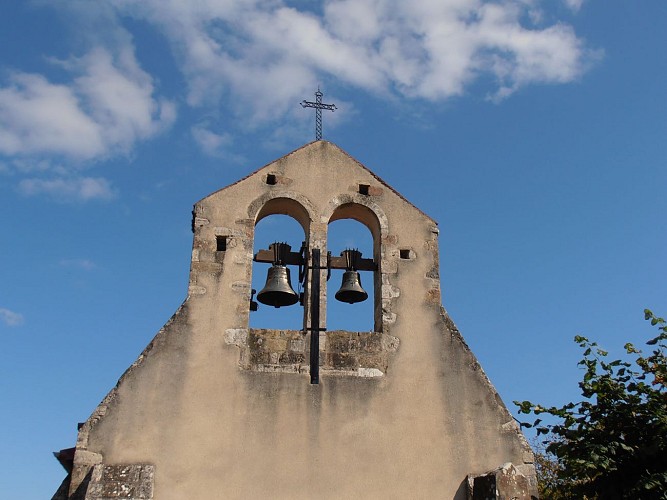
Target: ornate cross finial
x: 318, y: 111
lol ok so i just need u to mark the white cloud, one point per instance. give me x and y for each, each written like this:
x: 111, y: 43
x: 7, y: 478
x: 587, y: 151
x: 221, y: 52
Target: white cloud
x: 264, y: 56
x: 102, y: 106
x: 104, y: 109
x: 40, y: 117
x: 69, y: 189
x: 575, y: 5
x: 211, y: 143
x: 10, y: 318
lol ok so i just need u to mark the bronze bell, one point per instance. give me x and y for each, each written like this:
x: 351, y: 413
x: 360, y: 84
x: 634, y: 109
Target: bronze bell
x: 278, y: 289
x: 350, y: 290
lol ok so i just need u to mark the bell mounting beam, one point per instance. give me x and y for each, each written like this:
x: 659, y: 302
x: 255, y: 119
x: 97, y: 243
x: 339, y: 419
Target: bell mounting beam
x: 289, y: 258
x: 319, y: 106
x: 295, y: 259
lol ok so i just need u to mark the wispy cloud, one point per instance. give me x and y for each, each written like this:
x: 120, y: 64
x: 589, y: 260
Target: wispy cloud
x: 69, y: 189
x: 211, y: 143
x: 84, y: 264
x: 10, y: 318
x: 575, y: 5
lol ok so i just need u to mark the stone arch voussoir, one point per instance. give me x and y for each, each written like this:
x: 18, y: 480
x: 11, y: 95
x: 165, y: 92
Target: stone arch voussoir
x: 289, y: 203
x: 355, y: 199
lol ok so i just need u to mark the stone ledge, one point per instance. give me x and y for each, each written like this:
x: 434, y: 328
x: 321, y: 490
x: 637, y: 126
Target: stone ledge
x: 356, y: 354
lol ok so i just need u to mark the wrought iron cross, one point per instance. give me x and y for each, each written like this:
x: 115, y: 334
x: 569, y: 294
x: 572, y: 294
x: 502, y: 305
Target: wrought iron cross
x: 318, y: 112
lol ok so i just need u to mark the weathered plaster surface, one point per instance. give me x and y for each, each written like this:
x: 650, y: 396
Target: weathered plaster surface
x: 223, y: 411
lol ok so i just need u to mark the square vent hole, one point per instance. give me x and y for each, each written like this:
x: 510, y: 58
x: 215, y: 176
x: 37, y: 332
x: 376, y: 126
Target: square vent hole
x: 271, y: 179
x: 221, y: 243
x: 363, y: 189
x: 407, y: 254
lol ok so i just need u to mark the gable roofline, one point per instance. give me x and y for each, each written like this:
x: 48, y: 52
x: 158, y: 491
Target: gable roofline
x: 373, y: 174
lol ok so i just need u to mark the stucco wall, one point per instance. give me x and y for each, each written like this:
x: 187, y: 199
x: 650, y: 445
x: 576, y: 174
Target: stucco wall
x: 214, y: 427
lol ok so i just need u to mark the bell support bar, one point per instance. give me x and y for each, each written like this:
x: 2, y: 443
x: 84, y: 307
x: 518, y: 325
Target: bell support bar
x: 296, y: 259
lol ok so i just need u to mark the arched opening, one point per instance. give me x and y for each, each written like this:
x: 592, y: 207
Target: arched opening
x: 272, y: 228
x: 350, y: 228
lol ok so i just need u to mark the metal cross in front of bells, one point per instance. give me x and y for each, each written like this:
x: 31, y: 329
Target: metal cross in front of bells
x: 319, y: 106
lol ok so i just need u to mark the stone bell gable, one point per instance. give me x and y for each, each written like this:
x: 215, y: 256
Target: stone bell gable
x: 215, y: 409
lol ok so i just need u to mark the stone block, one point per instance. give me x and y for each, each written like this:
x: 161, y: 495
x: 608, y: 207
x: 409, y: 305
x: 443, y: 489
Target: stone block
x: 390, y: 239
x: 297, y: 345
x: 369, y: 372
x: 389, y: 266
x: 340, y: 361
x: 128, y: 481
x: 433, y: 273
x: 388, y: 318
x: 504, y: 483
x: 241, y: 287
x: 244, y: 258
x: 196, y: 290
x: 389, y: 342
x: 432, y: 296
x: 236, y: 336
x: 291, y: 357
x: 390, y: 292
x: 85, y: 457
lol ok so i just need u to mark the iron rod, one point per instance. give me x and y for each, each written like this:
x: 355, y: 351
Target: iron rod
x: 315, y: 318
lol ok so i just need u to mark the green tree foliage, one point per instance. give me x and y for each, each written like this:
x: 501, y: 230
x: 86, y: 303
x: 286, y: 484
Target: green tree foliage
x: 612, y: 444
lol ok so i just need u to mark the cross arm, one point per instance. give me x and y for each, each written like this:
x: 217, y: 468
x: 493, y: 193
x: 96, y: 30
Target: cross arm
x: 318, y: 105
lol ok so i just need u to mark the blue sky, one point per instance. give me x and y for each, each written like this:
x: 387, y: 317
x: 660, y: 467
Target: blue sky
x: 534, y: 132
